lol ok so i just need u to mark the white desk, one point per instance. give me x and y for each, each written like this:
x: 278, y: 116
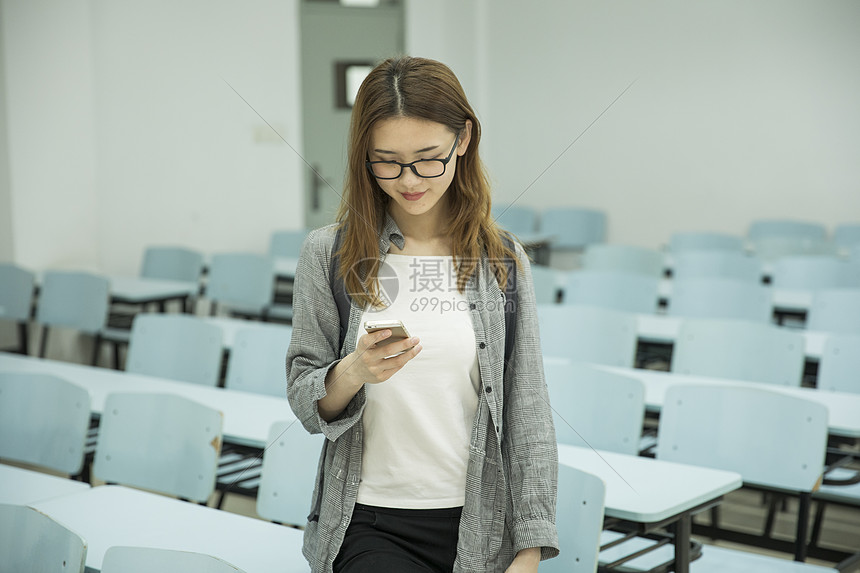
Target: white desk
x: 114, y: 515
x: 141, y: 290
x: 649, y: 491
x: 247, y: 417
x: 843, y: 408
x: 230, y: 326
x: 784, y: 300
x: 21, y: 486
x: 664, y: 329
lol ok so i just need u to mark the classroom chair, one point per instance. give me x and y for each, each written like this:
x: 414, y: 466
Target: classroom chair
x: 682, y: 242
x: 835, y: 311
x: 160, y: 442
x: 125, y: 559
x: 812, y: 272
x: 775, y: 441
x: 17, y: 286
x: 588, y: 334
x: 721, y: 298
x: 622, y: 291
x: 762, y: 228
x: 242, y: 283
x: 257, y: 360
x: 708, y: 264
x: 33, y: 541
x: 839, y: 366
x: 579, y: 521
x: 740, y: 350
x: 289, y: 473
x: 287, y: 243
x: 516, y: 218
x: 43, y: 421
x: 176, y: 346
x: 624, y: 258
x: 73, y: 300
x: 545, y: 281
x: 771, y: 249
x: 595, y: 409
x: 847, y: 235
x: 172, y: 263
x: 573, y: 227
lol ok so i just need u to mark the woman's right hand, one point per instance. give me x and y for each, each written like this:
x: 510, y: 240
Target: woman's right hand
x: 366, y: 364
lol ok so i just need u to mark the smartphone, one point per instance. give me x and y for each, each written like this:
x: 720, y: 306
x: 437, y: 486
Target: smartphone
x: 398, y: 331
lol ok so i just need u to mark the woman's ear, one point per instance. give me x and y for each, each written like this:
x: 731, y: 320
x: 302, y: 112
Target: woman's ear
x: 465, y: 138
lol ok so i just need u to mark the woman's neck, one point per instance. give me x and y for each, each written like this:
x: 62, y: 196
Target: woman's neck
x: 424, y: 234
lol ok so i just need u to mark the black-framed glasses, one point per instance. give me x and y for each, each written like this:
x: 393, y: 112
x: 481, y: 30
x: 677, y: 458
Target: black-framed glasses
x: 424, y: 168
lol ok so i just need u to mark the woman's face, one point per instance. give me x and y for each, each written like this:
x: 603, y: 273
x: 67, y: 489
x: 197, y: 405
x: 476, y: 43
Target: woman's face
x: 406, y: 139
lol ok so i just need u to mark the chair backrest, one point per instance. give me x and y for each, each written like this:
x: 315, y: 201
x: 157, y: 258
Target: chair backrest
x: 769, y: 438
x: 588, y: 334
x: 258, y: 360
x: 721, y: 298
x: 289, y: 473
x: 762, y: 228
x: 242, y: 280
x: 770, y: 249
x: 287, y: 243
x: 596, y: 409
x: 16, y: 292
x: 815, y: 272
x: 43, y: 421
x: 123, y: 559
x: 579, y: 520
x: 176, y: 346
x: 704, y: 241
x: 74, y: 300
x: 839, y: 366
x: 33, y: 541
x: 516, y: 218
x: 161, y: 442
x: 835, y: 310
x: 740, y: 350
x: 573, y: 228
x: 628, y: 292
x: 172, y: 263
x: 545, y: 282
x: 703, y: 264
x: 625, y: 258
x: 847, y: 235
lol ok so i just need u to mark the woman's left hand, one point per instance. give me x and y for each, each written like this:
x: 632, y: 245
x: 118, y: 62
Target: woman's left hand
x: 526, y: 561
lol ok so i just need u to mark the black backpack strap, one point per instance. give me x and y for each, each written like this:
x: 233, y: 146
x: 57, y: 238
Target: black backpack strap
x: 338, y: 288
x: 511, y: 299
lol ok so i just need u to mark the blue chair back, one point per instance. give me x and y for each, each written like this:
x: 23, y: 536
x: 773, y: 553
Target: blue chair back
x: 847, y: 235
x: 815, y: 272
x: 161, y: 442
x: 740, y: 350
x: 721, y: 298
x: 763, y: 228
x: 627, y: 292
x: 573, y: 228
x: 43, y: 421
x: 287, y: 243
x: 172, y: 263
x: 624, y: 258
x: 243, y: 281
x: 33, y: 541
x: 258, y: 360
x: 577, y: 391
x: 516, y: 218
x: 289, y: 473
x: 175, y: 346
x: 16, y: 292
x: 704, y: 241
x: 546, y: 284
x: 706, y: 264
x: 770, y: 249
x: 588, y: 334
x: 840, y: 364
x: 74, y: 300
x: 835, y: 310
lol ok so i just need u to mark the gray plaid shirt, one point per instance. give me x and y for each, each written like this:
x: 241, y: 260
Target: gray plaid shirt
x: 513, y: 462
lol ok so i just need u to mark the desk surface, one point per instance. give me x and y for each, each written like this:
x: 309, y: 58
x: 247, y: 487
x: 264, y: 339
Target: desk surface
x: 139, y: 290
x: 114, y: 515
x: 230, y: 326
x: 646, y: 490
x: 247, y: 416
x: 791, y: 300
x: 843, y: 408
x: 24, y: 487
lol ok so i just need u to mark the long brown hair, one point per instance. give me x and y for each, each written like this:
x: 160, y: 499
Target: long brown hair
x: 422, y: 89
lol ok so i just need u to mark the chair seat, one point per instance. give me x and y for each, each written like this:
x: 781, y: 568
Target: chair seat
x: 848, y: 494
x: 115, y: 335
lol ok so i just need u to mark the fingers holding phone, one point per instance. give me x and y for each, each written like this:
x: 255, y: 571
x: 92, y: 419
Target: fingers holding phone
x: 385, y: 349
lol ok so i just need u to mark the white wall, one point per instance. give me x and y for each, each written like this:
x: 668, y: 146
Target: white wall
x: 741, y: 110
x: 6, y: 249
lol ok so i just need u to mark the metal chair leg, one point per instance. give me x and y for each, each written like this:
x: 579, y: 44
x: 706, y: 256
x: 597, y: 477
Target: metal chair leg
x: 97, y: 346
x: 44, y: 342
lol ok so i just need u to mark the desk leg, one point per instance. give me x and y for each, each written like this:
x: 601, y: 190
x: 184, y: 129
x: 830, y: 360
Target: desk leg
x: 683, y: 530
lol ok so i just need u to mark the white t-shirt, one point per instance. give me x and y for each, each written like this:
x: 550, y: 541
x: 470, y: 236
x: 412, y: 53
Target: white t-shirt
x: 417, y: 424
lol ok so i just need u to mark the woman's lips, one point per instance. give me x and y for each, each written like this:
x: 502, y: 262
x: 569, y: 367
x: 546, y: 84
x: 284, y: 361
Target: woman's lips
x: 413, y: 196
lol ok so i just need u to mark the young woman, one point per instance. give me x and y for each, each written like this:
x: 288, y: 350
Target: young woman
x: 439, y: 456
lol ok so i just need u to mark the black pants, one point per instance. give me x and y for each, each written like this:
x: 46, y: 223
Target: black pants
x: 381, y: 539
